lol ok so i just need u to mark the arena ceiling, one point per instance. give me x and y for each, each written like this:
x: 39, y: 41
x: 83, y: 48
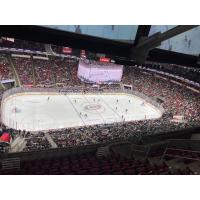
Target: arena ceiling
x: 124, y: 33
x: 125, y: 44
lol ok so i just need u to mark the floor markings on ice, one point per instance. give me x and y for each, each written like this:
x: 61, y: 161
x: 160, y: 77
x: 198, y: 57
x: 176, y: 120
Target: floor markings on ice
x: 110, y: 107
x: 74, y: 108
x: 95, y: 110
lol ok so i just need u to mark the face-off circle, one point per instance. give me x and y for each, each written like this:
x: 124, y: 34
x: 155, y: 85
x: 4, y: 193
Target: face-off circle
x: 93, y: 108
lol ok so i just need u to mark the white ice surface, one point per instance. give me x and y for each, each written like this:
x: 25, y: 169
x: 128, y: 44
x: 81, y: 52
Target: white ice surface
x: 35, y: 112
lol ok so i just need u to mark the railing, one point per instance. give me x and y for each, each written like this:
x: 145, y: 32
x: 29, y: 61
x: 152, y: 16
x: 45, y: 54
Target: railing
x: 10, y: 163
x: 190, y: 82
x: 147, y: 99
x: 140, y: 150
x: 184, y: 144
x: 17, y: 50
x: 79, y: 89
x: 58, y: 152
x: 182, y: 154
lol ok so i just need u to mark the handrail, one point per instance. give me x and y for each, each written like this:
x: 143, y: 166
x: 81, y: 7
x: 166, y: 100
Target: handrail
x: 77, y: 149
x: 190, y: 82
x: 177, y: 156
x: 189, y: 140
x: 169, y: 148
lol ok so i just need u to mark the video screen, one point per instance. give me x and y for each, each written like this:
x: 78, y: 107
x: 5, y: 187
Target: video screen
x: 100, y: 73
x: 124, y: 33
x: 187, y: 42
x: 160, y: 28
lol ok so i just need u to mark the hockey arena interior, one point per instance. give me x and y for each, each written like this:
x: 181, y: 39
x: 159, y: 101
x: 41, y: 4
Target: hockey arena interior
x: 76, y: 103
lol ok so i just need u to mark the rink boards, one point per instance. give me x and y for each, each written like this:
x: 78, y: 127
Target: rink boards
x: 35, y: 112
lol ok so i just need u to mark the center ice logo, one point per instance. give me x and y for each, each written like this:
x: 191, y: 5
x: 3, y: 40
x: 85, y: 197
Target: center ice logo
x: 95, y: 107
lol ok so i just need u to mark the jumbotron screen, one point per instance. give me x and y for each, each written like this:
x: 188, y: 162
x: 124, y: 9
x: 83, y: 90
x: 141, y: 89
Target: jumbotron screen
x: 100, y: 73
x: 187, y: 42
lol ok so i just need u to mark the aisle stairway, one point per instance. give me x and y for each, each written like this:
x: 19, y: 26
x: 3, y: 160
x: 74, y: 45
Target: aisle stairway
x: 2, y: 86
x: 50, y: 140
x: 103, y: 152
x: 18, y: 144
x: 87, y: 163
x: 10, y: 164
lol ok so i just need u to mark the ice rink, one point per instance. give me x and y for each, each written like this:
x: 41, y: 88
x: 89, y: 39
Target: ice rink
x: 36, y: 111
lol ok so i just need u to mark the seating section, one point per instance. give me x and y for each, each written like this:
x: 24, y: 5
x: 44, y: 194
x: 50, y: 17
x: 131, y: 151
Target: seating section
x: 190, y: 73
x: 43, y: 72
x: 5, y: 69
x: 73, y: 64
x: 88, y: 164
x: 62, y: 71
x: 35, y: 142
x: 180, y: 153
x: 24, y: 67
x: 178, y: 100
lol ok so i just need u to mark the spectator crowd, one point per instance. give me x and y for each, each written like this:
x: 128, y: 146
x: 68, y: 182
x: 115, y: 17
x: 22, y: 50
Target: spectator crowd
x: 5, y: 69
x: 177, y: 100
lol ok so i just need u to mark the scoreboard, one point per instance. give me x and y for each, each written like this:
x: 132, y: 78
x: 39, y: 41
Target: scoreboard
x: 98, y: 73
